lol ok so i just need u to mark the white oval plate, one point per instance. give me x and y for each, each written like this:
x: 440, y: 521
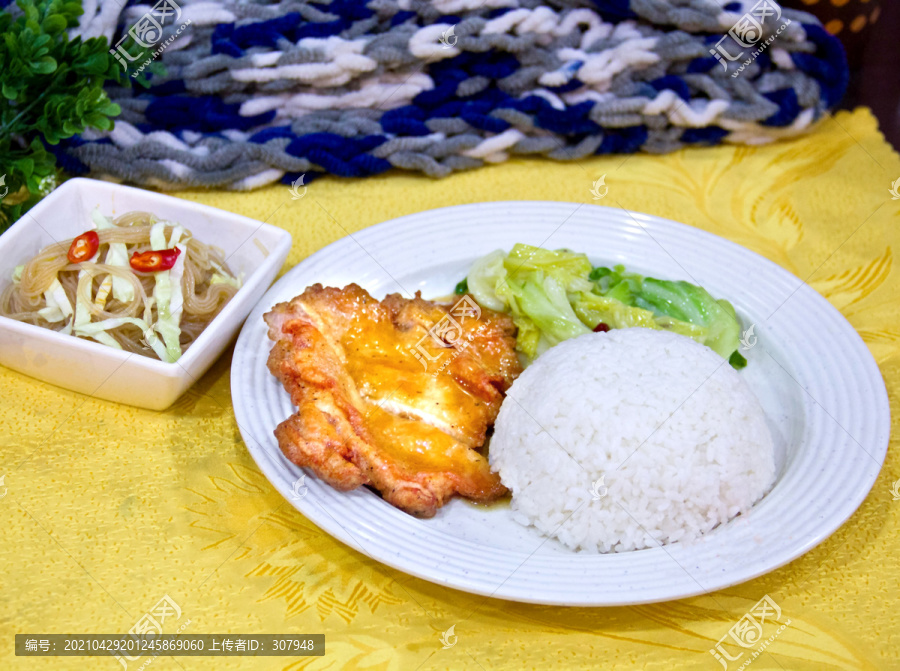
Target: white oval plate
x: 820, y: 388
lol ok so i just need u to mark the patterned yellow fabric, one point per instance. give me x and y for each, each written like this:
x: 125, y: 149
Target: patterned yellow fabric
x: 106, y: 508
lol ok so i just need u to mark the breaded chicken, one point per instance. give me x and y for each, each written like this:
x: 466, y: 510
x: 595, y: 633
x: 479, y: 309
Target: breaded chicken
x: 396, y: 394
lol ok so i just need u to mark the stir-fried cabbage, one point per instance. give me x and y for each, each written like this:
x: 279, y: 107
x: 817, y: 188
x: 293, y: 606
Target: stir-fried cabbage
x: 534, y: 285
x: 556, y: 295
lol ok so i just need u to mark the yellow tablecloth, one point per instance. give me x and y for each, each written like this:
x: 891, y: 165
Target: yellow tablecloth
x: 106, y: 508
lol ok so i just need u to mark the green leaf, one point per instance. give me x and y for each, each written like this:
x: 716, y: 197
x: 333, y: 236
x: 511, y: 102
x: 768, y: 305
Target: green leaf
x: 110, y: 109
x: 42, y: 41
x: 44, y: 66
x: 24, y: 166
x: 55, y: 23
x: 33, y: 183
x: 72, y: 9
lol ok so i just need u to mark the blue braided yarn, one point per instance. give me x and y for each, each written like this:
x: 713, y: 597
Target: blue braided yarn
x: 481, y: 85
x: 623, y: 140
x: 788, y: 107
x: 830, y: 70
x: 209, y: 113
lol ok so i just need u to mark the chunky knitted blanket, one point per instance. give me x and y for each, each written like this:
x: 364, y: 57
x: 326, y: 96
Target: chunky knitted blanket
x: 257, y: 92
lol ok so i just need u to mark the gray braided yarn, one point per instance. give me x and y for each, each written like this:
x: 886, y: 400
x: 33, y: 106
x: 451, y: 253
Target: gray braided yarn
x: 255, y: 93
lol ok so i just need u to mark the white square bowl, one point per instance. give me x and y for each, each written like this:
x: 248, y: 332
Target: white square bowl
x: 251, y: 247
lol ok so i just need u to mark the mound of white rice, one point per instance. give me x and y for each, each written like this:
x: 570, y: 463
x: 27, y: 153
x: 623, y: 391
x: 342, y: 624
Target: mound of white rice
x: 628, y: 439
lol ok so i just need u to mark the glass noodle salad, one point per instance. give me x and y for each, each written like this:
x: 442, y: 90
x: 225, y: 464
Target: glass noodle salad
x: 556, y: 295
x: 137, y: 283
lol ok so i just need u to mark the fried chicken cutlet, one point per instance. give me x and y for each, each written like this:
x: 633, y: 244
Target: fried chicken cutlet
x: 396, y: 394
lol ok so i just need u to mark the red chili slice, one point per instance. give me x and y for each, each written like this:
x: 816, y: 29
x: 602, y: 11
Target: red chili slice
x: 155, y: 261
x: 602, y: 327
x: 83, y: 247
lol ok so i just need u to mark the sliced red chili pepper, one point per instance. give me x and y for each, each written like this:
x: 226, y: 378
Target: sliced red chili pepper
x: 83, y: 247
x: 602, y: 327
x: 155, y: 261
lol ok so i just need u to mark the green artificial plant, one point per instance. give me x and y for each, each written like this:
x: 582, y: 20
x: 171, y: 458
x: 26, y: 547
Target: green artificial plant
x: 52, y: 89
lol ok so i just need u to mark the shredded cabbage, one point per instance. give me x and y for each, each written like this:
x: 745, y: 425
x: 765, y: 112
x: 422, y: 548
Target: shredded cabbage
x: 236, y: 282
x: 96, y: 330
x: 83, y: 310
x: 167, y: 294
x: 163, y: 309
x: 176, y: 273
x: 103, y: 292
x: 82, y: 325
x: 58, y: 305
x: 116, y: 255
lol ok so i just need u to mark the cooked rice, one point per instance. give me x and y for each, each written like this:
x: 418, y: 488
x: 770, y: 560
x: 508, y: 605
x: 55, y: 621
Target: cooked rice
x: 678, y: 438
